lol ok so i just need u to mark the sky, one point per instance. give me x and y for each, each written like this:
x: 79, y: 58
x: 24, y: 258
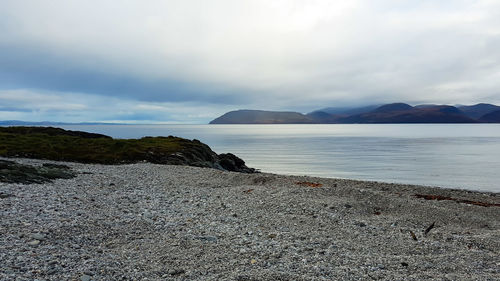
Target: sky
x: 187, y: 61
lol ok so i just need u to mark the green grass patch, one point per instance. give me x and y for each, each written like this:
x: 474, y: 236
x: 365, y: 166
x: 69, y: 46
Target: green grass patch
x: 62, y: 145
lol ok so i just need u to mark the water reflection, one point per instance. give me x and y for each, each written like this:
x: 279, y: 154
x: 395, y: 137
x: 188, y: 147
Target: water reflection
x: 456, y: 155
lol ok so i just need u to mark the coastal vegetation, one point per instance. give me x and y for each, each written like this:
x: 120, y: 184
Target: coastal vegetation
x: 63, y: 145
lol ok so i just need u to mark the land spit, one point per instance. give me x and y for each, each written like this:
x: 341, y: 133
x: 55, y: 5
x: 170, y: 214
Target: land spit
x: 161, y: 222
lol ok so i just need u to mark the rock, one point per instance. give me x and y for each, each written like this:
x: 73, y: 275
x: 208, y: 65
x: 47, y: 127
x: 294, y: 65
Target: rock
x: 5, y: 195
x: 12, y: 172
x: 34, y: 243
x: 51, y: 271
x: 175, y: 272
x: 231, y: 162
x: 85, y: 277
x: 38, y: 236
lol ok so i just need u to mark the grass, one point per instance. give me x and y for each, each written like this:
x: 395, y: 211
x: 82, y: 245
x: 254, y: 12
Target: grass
x: 62, y: 145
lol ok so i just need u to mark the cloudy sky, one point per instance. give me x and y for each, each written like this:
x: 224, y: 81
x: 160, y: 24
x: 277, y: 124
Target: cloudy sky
x: 189, y: 61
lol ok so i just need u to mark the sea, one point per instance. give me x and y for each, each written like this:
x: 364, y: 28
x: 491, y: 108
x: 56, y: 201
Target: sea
x: 463, y: 156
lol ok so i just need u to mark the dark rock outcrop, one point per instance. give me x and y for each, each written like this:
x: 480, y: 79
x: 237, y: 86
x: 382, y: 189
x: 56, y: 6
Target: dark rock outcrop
x: 231, y: 162
x: 198, y: 154
x: 13, y: 172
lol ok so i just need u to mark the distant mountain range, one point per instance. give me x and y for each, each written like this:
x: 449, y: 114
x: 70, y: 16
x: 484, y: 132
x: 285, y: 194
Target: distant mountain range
x: 47, y: 123
x: 374, y: 114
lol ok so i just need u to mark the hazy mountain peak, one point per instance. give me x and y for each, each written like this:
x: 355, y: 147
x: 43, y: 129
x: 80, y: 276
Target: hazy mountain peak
x: 399, y: 106
x: 478, y: 110
x: 247, y: 116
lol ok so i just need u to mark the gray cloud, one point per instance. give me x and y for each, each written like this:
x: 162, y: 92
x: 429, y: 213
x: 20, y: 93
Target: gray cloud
x: 76, y: 107
x: 241, y: 54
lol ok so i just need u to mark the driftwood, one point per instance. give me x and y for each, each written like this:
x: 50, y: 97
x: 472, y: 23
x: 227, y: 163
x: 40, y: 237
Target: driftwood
x: 413, y: 236
x: 310, y: 184
x: 440, y: 198
x: 429, y: 228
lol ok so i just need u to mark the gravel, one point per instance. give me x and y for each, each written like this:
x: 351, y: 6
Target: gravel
x: 160, y: 222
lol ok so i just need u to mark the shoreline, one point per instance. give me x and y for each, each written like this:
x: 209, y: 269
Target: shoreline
x: 450, y: 187
x: 161, y: 222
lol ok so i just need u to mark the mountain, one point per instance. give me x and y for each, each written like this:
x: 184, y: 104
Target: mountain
x: 347, y: 110
x: 492, y: 117
x: 404, y: 113
x: 387, y: 113
x: 262, y: 117
x: 392, y: 107
x: 322, y: 117
x: 478, y: 110
x: 426, y: 105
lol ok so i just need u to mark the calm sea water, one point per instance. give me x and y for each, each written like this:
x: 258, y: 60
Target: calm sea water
x: 455, y: 156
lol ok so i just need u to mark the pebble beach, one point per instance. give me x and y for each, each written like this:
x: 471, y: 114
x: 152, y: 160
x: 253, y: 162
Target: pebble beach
x: 162, y: 222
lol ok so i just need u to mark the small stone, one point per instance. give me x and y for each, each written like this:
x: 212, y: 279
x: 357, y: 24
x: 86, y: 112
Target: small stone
x: 253, y: 261
x: 5, y: 195
x: 174, y: 272
x: 34, y: 243
x: 85, y: 277
x: 148, y: 215
x: 404, y: 264
x: 211, y: 238
x: 38, y: 236
x: 272, y: 235
x: 51, y: 271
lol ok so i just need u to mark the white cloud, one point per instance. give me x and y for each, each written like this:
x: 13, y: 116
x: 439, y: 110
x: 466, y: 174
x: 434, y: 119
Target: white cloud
x: 30, y: 100
x: 284, y: 53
